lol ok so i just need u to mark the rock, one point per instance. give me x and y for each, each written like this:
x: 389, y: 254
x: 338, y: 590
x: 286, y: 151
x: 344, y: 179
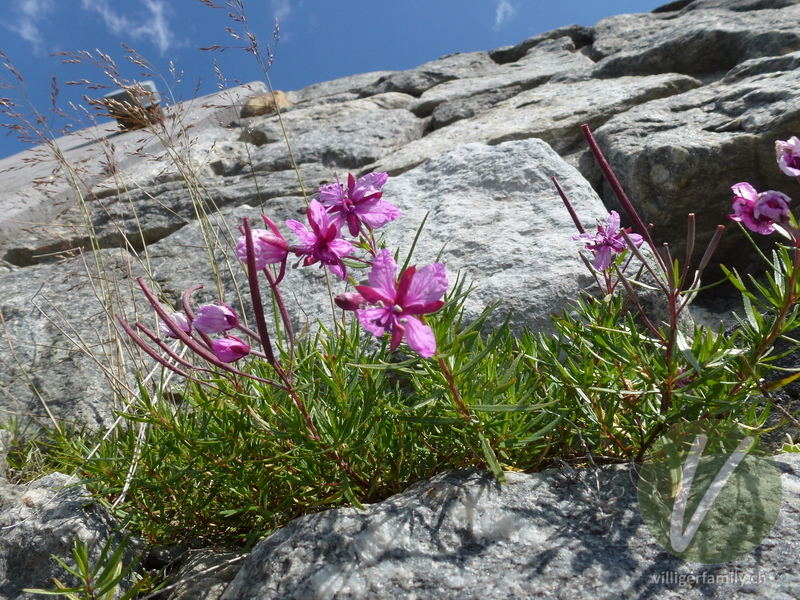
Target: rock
x: 205, y: 575
x: 541, y: 113
x: 572, y: 534
x: 682, y: 154
x: 345, y: 135
x: 464, y: 98
x: 495, y: 212
x: 265, y: 105
x: 53, y: 320
x: 38, y: 190
x: 447, y: 68
x: 41, y: 520
x: 581, y: 37
x: 6, y: 438
x: 697, y: 42
x: 344, y: 88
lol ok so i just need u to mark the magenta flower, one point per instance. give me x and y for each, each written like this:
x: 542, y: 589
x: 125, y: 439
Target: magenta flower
x: 269, y: 247
x: 400, y: 304
x: 323, y: 242
x: 349, y: 301
x: 759, y: 212
x: 215, y: 318
x: 178, y: 319
x: 606, y: 241
x: 230, y: 349
x: 359, y: 203
x: 788, y: 154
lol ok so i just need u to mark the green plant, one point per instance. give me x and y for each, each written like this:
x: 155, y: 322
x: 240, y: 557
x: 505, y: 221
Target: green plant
x: 102, y: 580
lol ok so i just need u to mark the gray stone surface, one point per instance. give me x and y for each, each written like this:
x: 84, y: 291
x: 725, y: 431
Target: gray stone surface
x: 345, y: 135
x: 554, y: 534
x: 42, y: 519
x: 53, y: 320
x: 416, y: 81
x: 542, y: 113
x: 205, y: 575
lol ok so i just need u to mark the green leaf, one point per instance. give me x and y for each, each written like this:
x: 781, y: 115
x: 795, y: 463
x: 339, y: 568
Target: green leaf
x: 491, y: 458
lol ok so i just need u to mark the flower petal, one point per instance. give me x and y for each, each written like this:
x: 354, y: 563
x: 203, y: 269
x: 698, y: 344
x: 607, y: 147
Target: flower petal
x: 420, y: 338
x: 383, y: 275
x: 427, y: 285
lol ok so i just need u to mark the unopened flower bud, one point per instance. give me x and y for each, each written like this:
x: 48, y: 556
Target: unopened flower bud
x: 349, y: 301
x: 215, y: 318
x: 178, y: 319
x: 230, y: 349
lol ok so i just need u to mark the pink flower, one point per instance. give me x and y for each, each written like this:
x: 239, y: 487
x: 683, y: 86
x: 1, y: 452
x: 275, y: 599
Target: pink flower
x: 269, y: 247
x: 360, y: 203
x: 759, y: 212
x: 178, y: 319
x: 606, y: 241
x: 788, y: 154
x: 349, y: 301
x: 215, y: 318
x: 230, y: 349
x: 399, y: 304
x: 323, y: 242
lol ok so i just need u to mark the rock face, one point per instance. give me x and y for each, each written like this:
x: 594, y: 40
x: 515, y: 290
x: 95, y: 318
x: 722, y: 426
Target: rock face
x: 547, y: 535
x: 685, y: 102
x: 41, y: 520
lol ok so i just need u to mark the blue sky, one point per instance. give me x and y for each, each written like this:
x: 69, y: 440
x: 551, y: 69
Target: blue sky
x: 319, y: 40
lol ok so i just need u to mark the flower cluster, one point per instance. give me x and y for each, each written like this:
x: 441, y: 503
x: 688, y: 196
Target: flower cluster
x: 209, y: 319
x: 387, y: 305
x: 359, y: 207
x: 761, y: 212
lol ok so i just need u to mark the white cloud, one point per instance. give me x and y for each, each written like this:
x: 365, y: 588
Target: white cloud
x: 24, y: 20
x: 505, y: 10
x: 281, y: 9
x: 154, y: 26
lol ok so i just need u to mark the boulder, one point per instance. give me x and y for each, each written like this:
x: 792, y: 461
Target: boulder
x: 41, y: 520
x: 559, y: 533
x: 265, y: 105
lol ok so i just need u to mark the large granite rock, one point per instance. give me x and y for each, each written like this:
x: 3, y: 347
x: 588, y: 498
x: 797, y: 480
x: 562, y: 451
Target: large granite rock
x: 554, y: 534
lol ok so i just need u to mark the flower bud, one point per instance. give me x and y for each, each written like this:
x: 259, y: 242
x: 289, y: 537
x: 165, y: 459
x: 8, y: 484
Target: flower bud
x: 349, y: 301
x: 178, y: 319
x: 268, y: 248
x: 230, y: 349
x: 215, y: 318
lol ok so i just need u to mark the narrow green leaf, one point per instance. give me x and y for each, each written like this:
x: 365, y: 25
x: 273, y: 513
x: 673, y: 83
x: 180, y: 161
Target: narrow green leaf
x: 491, y: 458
